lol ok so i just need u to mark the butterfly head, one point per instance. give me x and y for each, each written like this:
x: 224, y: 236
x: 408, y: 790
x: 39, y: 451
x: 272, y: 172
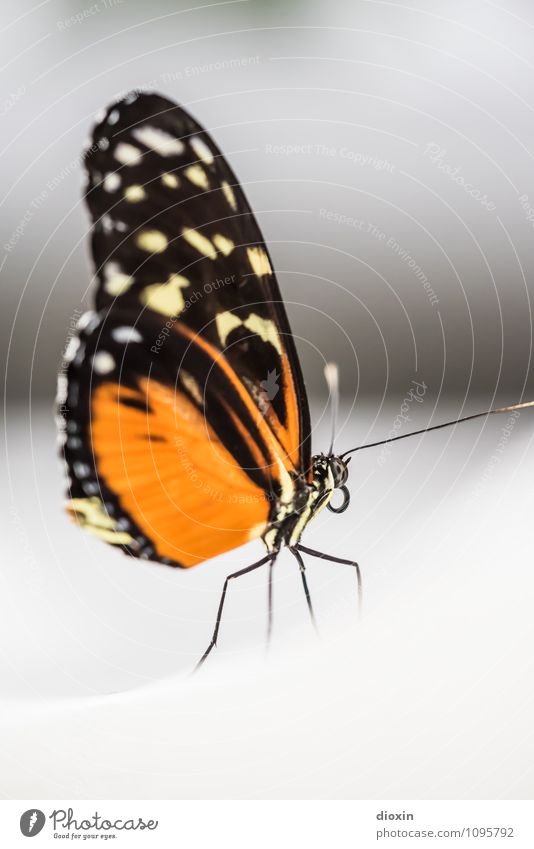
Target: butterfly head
x: 331, y: 473
x: 339, y: 472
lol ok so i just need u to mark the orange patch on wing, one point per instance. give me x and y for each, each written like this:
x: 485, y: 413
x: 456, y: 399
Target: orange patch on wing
x: 172, y: 475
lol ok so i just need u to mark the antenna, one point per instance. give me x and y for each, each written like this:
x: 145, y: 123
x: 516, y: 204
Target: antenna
x: 331, y: 374
x: 445, y: 424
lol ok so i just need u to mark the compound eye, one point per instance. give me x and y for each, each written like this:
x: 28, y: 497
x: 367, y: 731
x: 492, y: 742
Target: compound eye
x: 339, y: 472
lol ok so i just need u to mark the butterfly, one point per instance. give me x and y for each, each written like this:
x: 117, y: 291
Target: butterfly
x: 183, y: 412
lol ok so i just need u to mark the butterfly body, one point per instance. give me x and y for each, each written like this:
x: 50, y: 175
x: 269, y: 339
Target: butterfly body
x: 290, y: 520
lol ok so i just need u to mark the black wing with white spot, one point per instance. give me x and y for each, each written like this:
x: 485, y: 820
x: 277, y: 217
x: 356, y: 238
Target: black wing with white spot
x: 173, y: 234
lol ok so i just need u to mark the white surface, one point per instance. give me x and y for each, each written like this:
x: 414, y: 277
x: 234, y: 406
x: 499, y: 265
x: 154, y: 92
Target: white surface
x: 429, y: 696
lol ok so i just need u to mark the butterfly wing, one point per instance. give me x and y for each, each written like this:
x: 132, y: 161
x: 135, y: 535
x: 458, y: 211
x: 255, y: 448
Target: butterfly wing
x: 172, y: 464
x: 179, y: 441
x: 173, y: 231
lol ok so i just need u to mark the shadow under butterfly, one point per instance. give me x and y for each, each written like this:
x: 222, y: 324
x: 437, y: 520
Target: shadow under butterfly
x: 183, y: 415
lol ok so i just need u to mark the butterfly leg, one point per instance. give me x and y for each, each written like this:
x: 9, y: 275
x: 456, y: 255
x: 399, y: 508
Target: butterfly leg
x: 270, y: 603
x: 322, y: 556
x: 213, y: 643
x: 300, y: 561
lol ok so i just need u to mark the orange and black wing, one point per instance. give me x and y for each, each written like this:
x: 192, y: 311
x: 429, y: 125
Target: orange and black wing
x: 167, y: 455
x: 185, y: 419
x: 173, y: 232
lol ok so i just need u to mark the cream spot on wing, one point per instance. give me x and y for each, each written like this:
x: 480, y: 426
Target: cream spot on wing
x: 265, y: 329
x: 125, y: 335
x: 113, y: 116
x: 191, y: 385
x: 199, y: 242
x: 158, y: 140
x: 286, y: 483
x: 116, y: 282
x: 224, y: 245
x: 225, y: 323
x: 111, y: 182
x: 133, y: 194
x: 127, y: 154
x: 103, y: 362
x: 262, y: 327
x: 229, y: 195
x: 195, y: 174
x: 256, y: 531
x: 170, y: 180
x: 202, y: 150
x: 153, y: 241
x: 92, y: 516
x: 166, y: 298
x: 259, y: 261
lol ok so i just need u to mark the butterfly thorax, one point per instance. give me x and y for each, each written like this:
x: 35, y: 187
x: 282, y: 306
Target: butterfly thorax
x: 289, y: 519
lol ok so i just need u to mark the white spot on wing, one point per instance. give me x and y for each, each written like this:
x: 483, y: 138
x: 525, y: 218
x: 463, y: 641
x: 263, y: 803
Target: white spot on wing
x: 62, y: 387
x: 113, y: 116
x: 72, y: 346
x: 103, y: 362
x: 127, y: 154
x: 111, y: 182
x: 158, y: 140
x: 125, y: 335
x: 116, y: 281
x: 88, y: 320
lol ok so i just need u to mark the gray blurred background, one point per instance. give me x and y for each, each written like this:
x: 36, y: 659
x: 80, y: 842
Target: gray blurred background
x: 388, y: 150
